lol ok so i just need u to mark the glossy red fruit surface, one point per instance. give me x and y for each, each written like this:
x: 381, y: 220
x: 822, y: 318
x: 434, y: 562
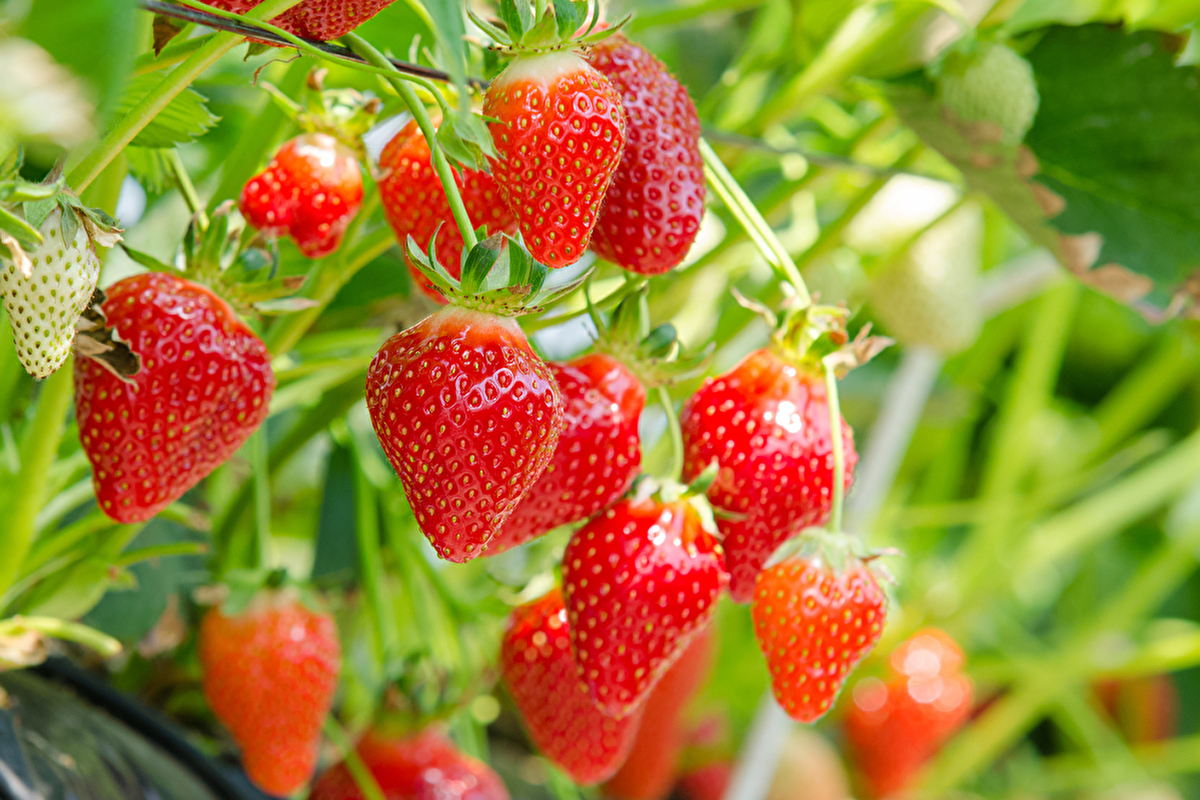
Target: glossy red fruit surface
x: 813, y: 627
x: 766, y: 424
x: 415, y: 203
x: 598, y: 455
x: 469, y: 417
x: 640, y: 580
x: 650, y: 770
x: 316, y: 19
x: 310, y: 191
x: 895, y: 726
x: 204, y: 386
x: 541, y: 675
x: 654, y: 206
x: 421, y: 767
x: 269, y: 675
x: 559, y: 133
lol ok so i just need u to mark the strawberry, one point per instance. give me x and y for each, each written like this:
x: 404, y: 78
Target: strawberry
x: 414, y: 202
x: 766, y: 424
x: 310, y: 191
x: 707, y: 782
x: 203, y: 387
x: 640, y: 581
x: 598, y: 455
x: 469, y: 417
x: 1145, y: 708
x: 421, y: 767
x: 814, y: 625
x: 993, y: 85
x: 894, y: 727
x: 316, y: 19
x: 269, y: 676
x: 650, y: 770
x: 653, y: 208
x: 559, y: 130
x: 543, y: 680
x: 44, y: 306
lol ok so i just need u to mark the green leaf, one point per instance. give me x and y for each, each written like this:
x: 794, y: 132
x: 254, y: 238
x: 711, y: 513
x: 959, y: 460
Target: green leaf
x: 448, y: 25
x: 1116, y: 140
x: 516, y: 16
x: 145, y: 259
x: 149, y: 165
x: 185, y: 118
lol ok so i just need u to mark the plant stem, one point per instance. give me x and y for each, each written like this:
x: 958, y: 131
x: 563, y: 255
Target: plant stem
x: 675, y: 470
x: 102, y: 643
x: 161, y: 551
x: 367, y: 785
x: 38, y: 450
x: 160, y: 96
x: 366, y: 530
x: 839, y: 447
x: 421, y: 115
x: 259, y: 453
x: 186, y: 188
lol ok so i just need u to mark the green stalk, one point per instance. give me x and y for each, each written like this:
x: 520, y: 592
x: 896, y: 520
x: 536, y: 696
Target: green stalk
x: 161, y: 551
x: 38, y: 450
x: 366, y: 530
x: 404, y: 88
x: 363, y: 777
x: 675, y: 470
x: 160, y: 96
x: 102, y: 643
x: 259, y: 454
x: 673, y: 15
x: 839, y: 448
x: 186, y: 188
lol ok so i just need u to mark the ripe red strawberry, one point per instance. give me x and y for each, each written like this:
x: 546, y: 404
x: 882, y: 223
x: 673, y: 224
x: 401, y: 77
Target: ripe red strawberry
x: 640, y: 581
x: 310, y: 191
x: 559, y: 133
x: 316, y: 19
x: 707, y: 782
x: 421, y: 767
x: 766, y: 423
x: 814, y: 626
x: 203, y: 388
x: 598, y: 455
x: 543, y: 680
x: 469, y: 417
x: 653, y: 208
x: 893, y: 728
x: 649, y: 771
x: 415, y: 202
x: 269, y: 676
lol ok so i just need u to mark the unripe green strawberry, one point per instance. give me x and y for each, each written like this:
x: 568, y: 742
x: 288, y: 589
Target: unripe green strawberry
x: 44, y: 307
x: 993, y: 84
x: 930, y: 296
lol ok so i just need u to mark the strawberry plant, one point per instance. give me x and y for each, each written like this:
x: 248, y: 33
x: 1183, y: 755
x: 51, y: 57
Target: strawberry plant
x: 572, y: 400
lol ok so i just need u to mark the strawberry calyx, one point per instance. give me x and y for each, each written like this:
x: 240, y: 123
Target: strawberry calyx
x: 666, y: 491
x: 655, y: 355
x: 498, y: 277
x: 836, y: 549
x: 563, y: 25
x: 345, y: 114
x: 251, y: 590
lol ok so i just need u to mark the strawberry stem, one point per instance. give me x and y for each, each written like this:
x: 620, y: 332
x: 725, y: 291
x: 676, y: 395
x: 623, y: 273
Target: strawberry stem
x: 839, y: 448
x: 675, y: 468
x: 262, y: 500
x: 363, y: 777
x: 186, y: 188
x: 402, y: 86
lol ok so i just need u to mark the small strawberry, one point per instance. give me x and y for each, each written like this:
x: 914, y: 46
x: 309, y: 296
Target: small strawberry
x: 414, y: 202
x: 44, y: 305
x: 316, y: 19
x: 650, y: 770
x: 203, y: 387
x: 421, y: 767
x: 993, y: 85
x: 598, y: 455
x: 814, y: 625
x: 653, y: 208
x: 559, y: 130
x: 766, y: 424
x: 469, y: 417
x: 707, y: 782
x: 1145, y: 708
x: 894, y: 727
x: 640, y: 580
x: 310, y: 191
x: 543, y: 680
x: 269, y: 676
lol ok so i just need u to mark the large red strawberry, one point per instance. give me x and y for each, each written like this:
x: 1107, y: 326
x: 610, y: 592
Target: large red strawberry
x: 649, y: 771
x: 310, y: 191
x: 894, y: 727
x: 415, y: 202
x: 269, y: 675
x: 814, y: 625
x: 203, y: 388
x: 653, y: 208
x: 421, y: 767
x: 640, y: 581
x: 766, y: 424
x: 543, y: 680
x: 559, y: 130
x: 598, y: 455
x: 469, y: 417
x: 316, y: 19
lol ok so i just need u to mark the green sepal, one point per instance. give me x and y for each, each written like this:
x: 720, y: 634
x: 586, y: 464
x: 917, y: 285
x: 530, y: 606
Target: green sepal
x: 36, y: 211
x: 837, y: 549
x: 478, y: 264
x: 569, y: 15
x: 517, y: 16
x: 655, y: 354
x: 24, y: 191
x: 146, y: 260
x: 466, y: 139
x: 19, y: 229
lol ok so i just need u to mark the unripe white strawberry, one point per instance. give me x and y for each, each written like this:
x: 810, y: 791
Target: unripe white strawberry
x: 994, y: 84
x: 44, y: 306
